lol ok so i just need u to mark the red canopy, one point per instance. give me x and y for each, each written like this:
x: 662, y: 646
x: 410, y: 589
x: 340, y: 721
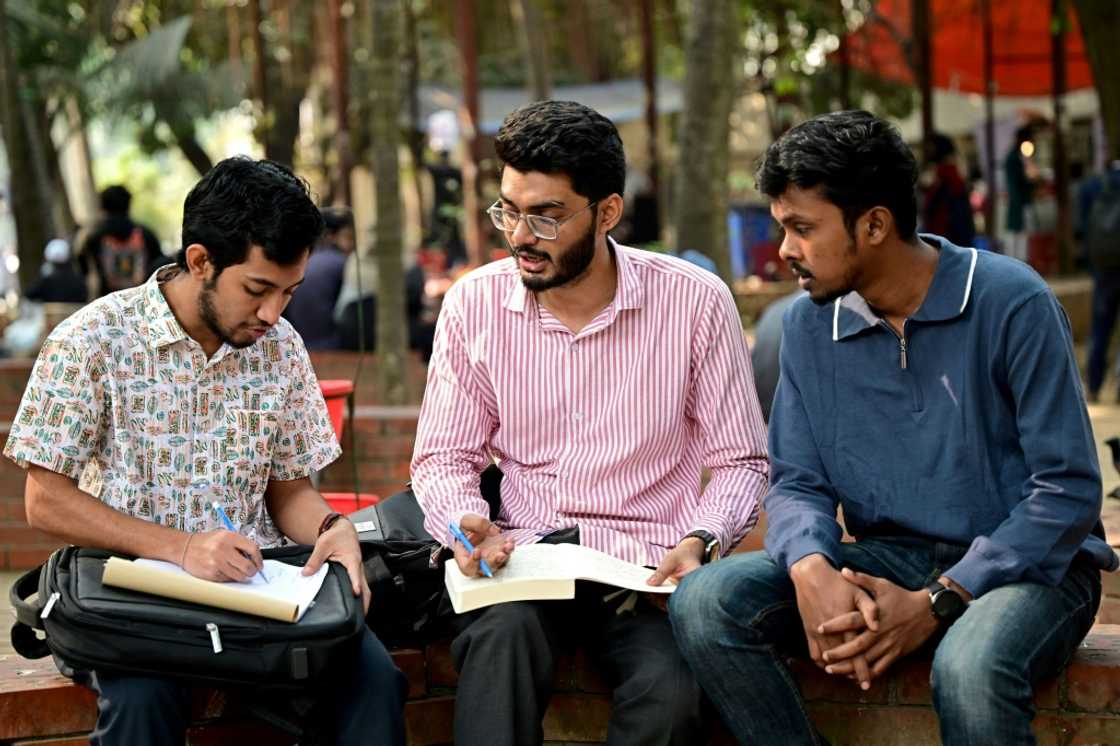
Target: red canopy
x: 1020, y: 46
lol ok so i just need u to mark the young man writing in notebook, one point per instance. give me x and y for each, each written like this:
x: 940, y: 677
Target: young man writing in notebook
x: 602, y: 379
x: 931, y: 391
x: 190, y: 390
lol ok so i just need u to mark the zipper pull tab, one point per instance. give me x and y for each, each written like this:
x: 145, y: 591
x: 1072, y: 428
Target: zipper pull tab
x: 215, y: 638
x: 49, y: 605
x: 902, y: 352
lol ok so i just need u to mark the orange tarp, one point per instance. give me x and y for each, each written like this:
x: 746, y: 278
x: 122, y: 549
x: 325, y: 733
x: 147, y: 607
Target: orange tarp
x: 1020, y: 46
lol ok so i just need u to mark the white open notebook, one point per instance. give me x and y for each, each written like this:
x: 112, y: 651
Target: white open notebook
x: 285, y: 596
x: 545, y: 572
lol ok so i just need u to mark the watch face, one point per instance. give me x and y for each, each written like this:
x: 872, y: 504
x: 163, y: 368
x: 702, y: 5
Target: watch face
x: 948, y: 605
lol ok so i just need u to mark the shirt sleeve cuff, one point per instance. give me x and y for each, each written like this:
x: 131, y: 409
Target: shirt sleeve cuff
x: 789, y: 553
x: 973, y: 573
x: 456, y: 518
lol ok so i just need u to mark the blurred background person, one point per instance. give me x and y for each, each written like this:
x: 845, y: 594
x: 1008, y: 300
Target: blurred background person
x: 311, y: 310
x: 121, y: 252
x: 1021, y: 175
x: 1098, y: 227
x: 946, y: 209
x: 59, y: 281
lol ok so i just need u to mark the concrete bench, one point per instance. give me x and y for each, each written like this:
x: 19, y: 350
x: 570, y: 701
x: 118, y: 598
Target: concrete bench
x: 1082, y: 706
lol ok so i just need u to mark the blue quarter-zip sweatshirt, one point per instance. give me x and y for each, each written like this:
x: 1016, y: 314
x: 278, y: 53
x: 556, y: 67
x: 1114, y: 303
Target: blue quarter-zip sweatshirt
x: 970, y: 428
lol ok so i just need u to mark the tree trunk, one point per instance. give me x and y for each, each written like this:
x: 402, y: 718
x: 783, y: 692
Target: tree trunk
x: 385, y: 130
x: 416, y: 136
x: 340, y: 69
x: 468, y: 56
x: 711, y: 51
x: 193, y: 151
x: 1058, y: 23
x: 922, y: 29
x: 54, y: 188
x: 31, y: 228
x: 1100, y: 22
x: 182, y: 129
x: 649, y: 82
x: 534, y: 48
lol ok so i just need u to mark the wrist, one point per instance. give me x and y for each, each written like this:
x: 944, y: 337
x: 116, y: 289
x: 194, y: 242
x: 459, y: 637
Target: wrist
x: 709, y: 545
x: 330, y: 522
x: 694, y: 545
x: 955, y: 586
x: 810, y: 564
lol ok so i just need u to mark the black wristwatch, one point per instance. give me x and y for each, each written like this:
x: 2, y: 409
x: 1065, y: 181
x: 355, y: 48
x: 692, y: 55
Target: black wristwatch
x: 945, y: 604
x: 711, y: 545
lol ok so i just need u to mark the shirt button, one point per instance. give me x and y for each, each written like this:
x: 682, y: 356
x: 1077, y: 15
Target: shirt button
x: 577, y: 416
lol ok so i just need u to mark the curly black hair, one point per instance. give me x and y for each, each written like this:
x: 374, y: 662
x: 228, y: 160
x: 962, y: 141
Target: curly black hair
x: 858, y: 160
x: 242, y: 202
x: 563, y: 137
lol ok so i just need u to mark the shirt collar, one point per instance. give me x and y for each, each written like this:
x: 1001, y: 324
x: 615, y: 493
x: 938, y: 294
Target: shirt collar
x: 628, y: 293
x: 163, y: 327
x: 946, y: 298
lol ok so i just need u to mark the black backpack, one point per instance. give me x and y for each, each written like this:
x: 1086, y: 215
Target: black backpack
x: 404, y: 567
x: 90, y: 626
x: 1102, y: 233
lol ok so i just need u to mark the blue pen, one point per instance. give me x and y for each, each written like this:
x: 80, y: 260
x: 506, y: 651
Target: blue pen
x: 229, y: 524
x: 470, y: 548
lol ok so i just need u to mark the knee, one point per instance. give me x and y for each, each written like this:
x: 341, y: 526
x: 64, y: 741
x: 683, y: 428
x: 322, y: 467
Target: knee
x: 667, y: 691
x: 729, y: 593
x: 138, y: 696
x: 965, y: 681
x: 515, y: 627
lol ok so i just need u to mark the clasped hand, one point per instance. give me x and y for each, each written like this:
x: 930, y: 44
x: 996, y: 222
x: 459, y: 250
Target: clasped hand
x: 902, y: 623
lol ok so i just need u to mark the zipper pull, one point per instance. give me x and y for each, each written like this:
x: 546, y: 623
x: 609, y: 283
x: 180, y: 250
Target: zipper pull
x: 902, y: 352
x: 49, y: 605
x: 215, y: 638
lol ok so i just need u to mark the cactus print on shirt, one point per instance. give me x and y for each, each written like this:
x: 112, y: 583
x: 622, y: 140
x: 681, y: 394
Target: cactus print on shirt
x: 121, y: 388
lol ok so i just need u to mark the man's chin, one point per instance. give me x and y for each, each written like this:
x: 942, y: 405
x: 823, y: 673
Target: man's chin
x: 537, y: 281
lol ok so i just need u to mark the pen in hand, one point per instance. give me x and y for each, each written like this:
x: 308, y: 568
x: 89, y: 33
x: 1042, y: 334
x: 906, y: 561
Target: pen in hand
x: 229, y: 525
x: 458, y: 534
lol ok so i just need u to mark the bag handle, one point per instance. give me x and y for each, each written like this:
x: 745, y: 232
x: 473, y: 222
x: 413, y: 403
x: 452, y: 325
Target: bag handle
x: 24, y: 640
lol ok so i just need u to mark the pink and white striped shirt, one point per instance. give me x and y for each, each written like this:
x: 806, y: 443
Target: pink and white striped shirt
x: 607, y: 429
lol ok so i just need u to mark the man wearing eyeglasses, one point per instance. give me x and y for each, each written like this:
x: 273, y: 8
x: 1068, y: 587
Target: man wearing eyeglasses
x: 602, y: 380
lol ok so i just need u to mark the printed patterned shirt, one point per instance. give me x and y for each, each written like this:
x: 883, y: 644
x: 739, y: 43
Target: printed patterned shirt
x: 608, y: 429
x: 120, y: 388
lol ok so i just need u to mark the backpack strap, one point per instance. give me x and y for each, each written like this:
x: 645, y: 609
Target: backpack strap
x: 24, y: 639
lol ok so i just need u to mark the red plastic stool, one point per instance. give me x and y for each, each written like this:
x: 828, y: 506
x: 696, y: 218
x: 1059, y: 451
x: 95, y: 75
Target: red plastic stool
x: 337, y: 392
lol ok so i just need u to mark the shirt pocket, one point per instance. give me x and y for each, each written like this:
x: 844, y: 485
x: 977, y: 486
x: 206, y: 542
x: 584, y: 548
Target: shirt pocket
x: 247, y: 450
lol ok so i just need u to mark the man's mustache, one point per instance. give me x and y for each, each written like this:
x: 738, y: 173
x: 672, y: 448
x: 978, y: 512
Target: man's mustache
x: 530, y: 254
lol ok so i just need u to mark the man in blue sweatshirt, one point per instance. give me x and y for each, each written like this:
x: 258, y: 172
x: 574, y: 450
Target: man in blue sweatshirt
x: 930, y: 391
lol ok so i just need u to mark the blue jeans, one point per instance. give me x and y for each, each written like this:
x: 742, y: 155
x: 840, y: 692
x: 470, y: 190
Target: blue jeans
x: 737, y: 620
x: 362, y: 705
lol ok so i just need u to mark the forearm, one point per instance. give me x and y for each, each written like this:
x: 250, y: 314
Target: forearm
x: 55, y: 505
x: 297, y: 509
x: 730, y: 503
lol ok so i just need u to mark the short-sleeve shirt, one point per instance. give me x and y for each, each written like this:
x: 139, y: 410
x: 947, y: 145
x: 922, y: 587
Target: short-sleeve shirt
x: 120, y: 388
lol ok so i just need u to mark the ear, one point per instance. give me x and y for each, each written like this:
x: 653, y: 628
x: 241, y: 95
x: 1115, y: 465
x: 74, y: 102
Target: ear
x: 875, y: 225
x: 198, y: 262
x: 610, y: 212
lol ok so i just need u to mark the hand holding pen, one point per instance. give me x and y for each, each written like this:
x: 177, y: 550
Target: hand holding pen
x: 243, y: 547
x: 487, y: 542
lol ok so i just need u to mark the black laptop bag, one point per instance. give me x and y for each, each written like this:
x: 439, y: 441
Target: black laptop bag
x: 90, y: 626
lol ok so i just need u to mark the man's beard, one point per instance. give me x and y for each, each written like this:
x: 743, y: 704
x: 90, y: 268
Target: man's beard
x: 209, y: 315
x: 571, y: 265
